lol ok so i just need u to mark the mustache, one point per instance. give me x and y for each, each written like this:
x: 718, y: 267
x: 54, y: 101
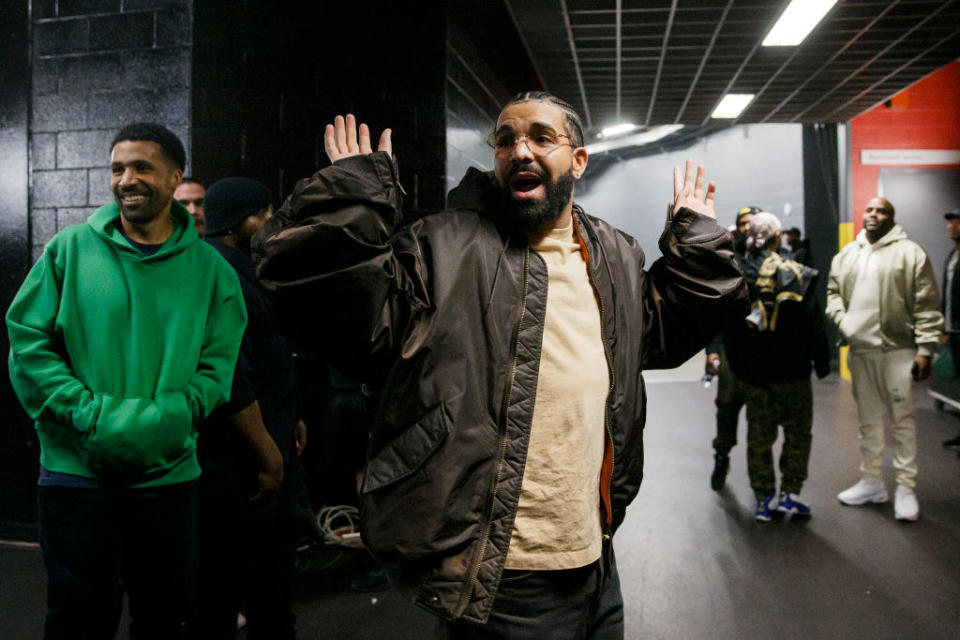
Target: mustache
x: 517, y: 167
x: 143, y: 191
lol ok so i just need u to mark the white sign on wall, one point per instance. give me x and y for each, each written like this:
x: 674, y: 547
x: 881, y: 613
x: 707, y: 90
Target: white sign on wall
x: 909, y: 156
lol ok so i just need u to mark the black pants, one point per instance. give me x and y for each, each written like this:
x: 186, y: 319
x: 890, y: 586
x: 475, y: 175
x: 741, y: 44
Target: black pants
x: 955, y: 351
x: 245, y: 560
x: 99, y: 542
x: 730, y: 399
x: 570, y: 604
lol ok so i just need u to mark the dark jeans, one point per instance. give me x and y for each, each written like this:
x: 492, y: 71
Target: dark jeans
x: 730, y: 399
x: 570, y: 604
x: 246, y: 558
x: 99, y: 542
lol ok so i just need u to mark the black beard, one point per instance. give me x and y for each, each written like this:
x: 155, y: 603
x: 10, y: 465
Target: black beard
x: 527, y: 215
x: 136, y: 217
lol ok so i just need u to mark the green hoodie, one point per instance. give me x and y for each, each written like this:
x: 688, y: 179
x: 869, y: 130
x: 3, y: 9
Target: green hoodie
x: 118, y: 356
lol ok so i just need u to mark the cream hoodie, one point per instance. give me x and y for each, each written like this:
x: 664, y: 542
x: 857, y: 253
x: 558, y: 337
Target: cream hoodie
x: 898, y: 275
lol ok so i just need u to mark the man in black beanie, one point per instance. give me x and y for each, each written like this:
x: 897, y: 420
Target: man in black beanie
x: 246, y: 558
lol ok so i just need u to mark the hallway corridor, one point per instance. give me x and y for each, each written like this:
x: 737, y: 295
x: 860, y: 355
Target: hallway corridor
x: 694, y: 563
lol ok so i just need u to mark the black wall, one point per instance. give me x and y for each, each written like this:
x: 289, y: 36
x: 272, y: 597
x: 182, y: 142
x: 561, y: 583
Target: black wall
x: 268, y: 77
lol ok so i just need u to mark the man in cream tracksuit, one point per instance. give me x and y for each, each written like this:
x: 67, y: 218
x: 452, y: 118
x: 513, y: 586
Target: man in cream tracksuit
x: 883, y: 297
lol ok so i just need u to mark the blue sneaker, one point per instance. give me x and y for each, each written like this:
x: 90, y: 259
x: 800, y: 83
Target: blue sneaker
x: 764, y: 513
x: 788, y: 504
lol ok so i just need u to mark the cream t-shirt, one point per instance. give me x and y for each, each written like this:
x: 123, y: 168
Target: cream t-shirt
x: 558, y: 516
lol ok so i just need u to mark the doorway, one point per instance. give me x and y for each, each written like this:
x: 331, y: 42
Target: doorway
x: 921, y: 197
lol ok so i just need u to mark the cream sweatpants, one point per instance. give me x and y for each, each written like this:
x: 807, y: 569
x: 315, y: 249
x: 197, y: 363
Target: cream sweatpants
x: 882, y: 381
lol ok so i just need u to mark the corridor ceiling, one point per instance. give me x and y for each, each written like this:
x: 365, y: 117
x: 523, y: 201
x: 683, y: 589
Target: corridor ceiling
x: 655, y: 62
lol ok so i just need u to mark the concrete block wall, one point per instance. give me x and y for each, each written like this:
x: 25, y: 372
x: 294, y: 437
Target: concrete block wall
x: 97, y: 65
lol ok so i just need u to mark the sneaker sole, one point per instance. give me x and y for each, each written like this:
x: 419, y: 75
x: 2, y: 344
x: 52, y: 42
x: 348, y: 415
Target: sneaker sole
x: 762, y: 518
x: 795, y: 512
x: 875, y: 499
x: 908, y: 519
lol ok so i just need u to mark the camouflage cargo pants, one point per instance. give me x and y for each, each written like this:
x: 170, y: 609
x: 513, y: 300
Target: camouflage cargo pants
x: 786, y: 404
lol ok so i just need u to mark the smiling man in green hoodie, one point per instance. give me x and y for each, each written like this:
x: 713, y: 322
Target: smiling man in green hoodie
x: 123, y: 336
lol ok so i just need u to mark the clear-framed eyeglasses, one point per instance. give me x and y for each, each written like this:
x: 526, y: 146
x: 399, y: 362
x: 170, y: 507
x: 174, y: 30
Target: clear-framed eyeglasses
x: 540, y: 142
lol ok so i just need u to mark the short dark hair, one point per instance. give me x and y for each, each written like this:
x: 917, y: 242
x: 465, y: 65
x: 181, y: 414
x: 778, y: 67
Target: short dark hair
x: 574, y: 123
x: 794, y: 231
x: 190, y: 180
x: 153, y: 132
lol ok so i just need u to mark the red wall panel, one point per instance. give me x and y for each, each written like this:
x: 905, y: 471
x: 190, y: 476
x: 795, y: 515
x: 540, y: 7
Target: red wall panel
x: 925, y: 115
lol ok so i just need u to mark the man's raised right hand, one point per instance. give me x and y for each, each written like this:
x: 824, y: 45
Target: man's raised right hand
x: 342, y: 139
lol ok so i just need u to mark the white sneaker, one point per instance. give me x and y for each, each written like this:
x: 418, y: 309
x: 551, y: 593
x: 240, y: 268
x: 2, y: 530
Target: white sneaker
x: 867, y: 490
x: 905, y: 505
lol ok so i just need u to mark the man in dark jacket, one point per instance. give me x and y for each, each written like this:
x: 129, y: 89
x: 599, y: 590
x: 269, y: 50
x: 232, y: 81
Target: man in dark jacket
x: 770, y: 353
x: 508, y: 440
x: 951, y: 302
x: 730, y: 395
x: 246, y: 547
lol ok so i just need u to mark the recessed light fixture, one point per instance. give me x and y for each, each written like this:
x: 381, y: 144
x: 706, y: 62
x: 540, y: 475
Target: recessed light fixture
x: 635, y: 140
x: 617, y: 129
x: 797, y: 21
x: 732, y: 105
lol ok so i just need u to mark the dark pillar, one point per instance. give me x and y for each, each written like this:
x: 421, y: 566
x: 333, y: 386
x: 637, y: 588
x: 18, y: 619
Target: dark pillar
x: 821, y: 194
x: 18, y: 446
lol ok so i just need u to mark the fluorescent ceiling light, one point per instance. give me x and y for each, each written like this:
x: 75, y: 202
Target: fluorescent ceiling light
x: 732, y: 105
x: 636, y: 140
x: 617, y: 129
x: 797, y: 21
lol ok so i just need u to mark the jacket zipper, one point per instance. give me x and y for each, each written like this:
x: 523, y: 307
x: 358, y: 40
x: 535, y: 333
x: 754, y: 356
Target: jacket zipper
x: 606, y: 410
x: 475, y: 569
x: 606, y: 420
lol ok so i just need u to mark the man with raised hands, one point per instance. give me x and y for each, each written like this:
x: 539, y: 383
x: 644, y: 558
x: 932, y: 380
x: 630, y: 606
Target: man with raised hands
x: 507, y: 336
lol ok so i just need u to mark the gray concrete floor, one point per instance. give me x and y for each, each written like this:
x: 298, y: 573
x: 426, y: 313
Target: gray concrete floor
x: 694, y: 563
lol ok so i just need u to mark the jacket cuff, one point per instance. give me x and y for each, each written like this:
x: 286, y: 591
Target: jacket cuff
x: 692, y: 227
x: 379, y: 163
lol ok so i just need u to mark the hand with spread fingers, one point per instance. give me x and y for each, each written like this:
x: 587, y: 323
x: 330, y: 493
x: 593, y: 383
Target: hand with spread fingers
x: 343, y: 139
x: 688, y: 191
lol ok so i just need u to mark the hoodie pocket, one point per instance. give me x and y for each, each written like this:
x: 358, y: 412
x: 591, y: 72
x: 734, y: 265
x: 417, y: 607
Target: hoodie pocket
x: 861, y: 328
x: 136, y: 439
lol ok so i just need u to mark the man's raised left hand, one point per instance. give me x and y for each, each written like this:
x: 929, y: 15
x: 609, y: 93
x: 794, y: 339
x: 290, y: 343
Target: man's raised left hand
x: 688, y: 190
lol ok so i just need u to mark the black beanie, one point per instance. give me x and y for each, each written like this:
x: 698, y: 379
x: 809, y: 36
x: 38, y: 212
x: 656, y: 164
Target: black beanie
x: 228, y: 202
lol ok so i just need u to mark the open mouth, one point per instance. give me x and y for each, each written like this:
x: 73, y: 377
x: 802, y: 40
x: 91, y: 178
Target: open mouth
x: 525, y: 183
x: 133, y: 199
